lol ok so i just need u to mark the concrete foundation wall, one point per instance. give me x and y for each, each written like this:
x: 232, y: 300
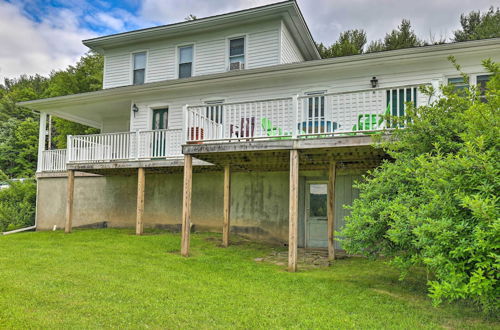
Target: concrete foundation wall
x: 259, y: 202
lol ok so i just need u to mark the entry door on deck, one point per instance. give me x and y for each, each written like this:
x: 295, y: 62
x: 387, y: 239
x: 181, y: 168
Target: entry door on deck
x: 160, y: 122
x: 316, y: 220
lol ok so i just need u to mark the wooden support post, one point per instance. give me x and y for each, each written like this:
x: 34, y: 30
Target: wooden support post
x: 227, y: 206
x: 331, y: 210
x: 186, y: 204
x: 293, y: 211
x: 141, y: 181
x: 69, y: 201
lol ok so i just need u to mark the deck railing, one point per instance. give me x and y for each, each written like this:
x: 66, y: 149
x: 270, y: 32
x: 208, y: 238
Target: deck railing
x: 314, y: 115
x: 124, y: 146
x: 52, y: 161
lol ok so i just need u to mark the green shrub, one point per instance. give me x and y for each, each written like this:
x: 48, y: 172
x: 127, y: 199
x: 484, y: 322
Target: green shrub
x: 17, y: 204
x: 436, y: 204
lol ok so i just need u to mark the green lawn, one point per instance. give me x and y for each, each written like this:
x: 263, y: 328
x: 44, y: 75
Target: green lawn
x: 112, y: 279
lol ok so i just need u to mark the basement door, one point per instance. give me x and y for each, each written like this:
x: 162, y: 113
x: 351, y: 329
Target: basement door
x: 316, y: 215
x: 316, y: 221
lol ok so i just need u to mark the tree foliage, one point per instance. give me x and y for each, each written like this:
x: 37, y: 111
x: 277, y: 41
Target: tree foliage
x: 402, y: 37
x: 19, y: 126
x: 17, y: 204
x: 479, y: 26
x: 350, y: 42
x: 436, y: 203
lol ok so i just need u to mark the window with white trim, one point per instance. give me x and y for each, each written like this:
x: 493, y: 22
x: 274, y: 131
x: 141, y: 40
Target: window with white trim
x: 316, y: 105
x: 214, y: 110
x: 139, y: 72
x: 237, y: 53
x: 185, y: 61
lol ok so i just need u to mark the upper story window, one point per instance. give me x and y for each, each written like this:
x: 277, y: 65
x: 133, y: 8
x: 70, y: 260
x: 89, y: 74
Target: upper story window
x: 185, y: 61
x: 237, y: 53
x: 139, y: 68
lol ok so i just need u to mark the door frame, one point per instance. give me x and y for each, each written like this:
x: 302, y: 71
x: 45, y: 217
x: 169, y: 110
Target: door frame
x: 307, y: 200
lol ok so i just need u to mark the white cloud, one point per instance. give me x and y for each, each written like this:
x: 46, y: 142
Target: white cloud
x: 38, y: 47
x: 172, y: 11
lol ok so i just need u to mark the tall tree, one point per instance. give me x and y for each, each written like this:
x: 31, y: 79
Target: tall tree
x: 18, y: 125
x: 402, y: 37
x: 479, y: 26
x: 350, y: 42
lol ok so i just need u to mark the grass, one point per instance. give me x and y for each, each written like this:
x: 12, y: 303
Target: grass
x: 110, y: 278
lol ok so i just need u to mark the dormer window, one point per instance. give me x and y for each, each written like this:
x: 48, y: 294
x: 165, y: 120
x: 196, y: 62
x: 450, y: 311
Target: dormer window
x: 139, y: 68
x: 237, y: 53
x: 185, y: 61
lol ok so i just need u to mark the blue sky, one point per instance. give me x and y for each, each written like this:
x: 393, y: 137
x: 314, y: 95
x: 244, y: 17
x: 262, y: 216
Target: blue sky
x: 39, y: 36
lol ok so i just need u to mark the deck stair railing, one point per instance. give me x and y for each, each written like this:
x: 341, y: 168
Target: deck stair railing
x: 314, y: 115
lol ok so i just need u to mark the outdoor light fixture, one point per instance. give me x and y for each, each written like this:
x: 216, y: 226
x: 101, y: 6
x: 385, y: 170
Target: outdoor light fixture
x: 374, y: 82
x: 135, y: 109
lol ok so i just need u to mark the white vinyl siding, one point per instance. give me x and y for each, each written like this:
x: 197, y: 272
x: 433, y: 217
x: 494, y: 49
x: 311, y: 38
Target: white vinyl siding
x: 161, y: 64
x: 117, y: 71
x: 263, y: 49
x: 211, y: 54
x: 290, y: 53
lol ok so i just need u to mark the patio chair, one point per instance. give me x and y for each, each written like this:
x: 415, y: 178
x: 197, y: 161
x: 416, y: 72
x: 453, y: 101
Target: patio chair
x: 370, y: 121
x: 271, y: 130
x: 245, y: 130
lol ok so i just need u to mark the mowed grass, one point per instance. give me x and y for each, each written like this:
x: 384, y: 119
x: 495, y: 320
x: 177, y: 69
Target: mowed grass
x: 113, y: 279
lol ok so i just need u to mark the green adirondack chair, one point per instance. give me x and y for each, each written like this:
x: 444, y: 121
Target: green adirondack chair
x: 271, y: 130
x: 369, y: 121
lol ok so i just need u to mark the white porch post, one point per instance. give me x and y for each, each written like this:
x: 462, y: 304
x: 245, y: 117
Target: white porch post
x: 185, y: 124
x: 295, y: 107
x: 41, y: 140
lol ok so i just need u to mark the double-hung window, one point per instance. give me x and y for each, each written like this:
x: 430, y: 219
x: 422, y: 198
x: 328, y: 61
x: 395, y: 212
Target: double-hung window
x: 237, y: 53
x: 186, y: 61
x: 139, y: 68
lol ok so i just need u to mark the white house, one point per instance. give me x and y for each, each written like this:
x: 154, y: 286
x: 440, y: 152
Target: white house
x: 274, y: 135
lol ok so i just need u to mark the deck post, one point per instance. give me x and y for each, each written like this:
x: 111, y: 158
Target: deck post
x: 69, y: 201
x: 141, y: 181
x: 186, y: 204
x: 227, y: 206
x: 331, y: 210
x: 293, y: 211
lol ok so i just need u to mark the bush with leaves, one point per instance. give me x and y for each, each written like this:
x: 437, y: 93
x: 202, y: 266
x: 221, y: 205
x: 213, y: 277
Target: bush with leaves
x: 17, y: 203
x: 435, y: 203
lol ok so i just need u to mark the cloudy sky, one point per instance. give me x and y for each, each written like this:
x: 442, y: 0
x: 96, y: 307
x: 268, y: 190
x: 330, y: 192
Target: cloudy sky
x: 38, y: 36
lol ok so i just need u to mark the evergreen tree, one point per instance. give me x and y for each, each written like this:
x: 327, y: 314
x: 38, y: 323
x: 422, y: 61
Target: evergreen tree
x: 479, y: 26
x: 350, y: 42
x: 402, y: 37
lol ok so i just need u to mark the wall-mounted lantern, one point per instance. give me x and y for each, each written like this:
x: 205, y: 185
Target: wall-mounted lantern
x: 374, y: 82
x: 135, y: 109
